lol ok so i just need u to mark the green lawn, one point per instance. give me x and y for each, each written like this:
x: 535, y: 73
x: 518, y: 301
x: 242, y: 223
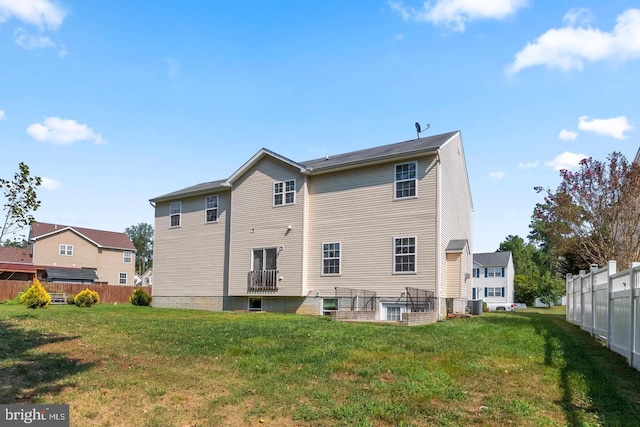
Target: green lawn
x: 138, y: 366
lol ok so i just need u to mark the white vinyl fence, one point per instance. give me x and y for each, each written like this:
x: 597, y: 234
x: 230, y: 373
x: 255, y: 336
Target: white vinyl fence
x: 604, y: 303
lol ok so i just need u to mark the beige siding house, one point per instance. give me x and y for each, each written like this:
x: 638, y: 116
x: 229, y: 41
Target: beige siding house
x: 365, y: 230
x: 80, y: 255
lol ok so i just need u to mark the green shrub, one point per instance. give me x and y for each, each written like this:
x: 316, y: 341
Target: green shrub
x: 86, y: 298
x: 140, y: 297
x: 36, y: 296
x: 485, y: 307
x: 71, y: 299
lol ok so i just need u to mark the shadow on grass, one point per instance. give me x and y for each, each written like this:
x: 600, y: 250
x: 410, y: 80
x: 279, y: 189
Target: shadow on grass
x: 25, y: 371
x: 597, y: 384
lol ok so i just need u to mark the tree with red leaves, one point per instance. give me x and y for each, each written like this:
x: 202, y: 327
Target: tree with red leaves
x: 594, y: 214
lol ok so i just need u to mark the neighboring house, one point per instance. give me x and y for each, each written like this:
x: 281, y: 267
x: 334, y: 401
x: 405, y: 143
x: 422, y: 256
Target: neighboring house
x: 15, y: 264
x: 147, y: 278
x: 339, y: 232
x: 81, y: 255
x: 493, y: 275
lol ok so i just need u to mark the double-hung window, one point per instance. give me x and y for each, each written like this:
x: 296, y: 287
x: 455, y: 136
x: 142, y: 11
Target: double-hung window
x: 126, y: 257
x: 175, y: 211
x: 211, y: 208
x: 493, y: 292
x: 406, y: 180
x: 404, y: 258
x: 122, y: 278
x: 330, y: 259
x: 494, y: 271
x: 284, y: 193
x: 66, y: 250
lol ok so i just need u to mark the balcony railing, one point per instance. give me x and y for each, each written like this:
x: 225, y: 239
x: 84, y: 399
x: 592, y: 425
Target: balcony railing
x: 263, y: 280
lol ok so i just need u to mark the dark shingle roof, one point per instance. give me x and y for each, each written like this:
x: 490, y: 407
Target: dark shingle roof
x: 413, y: 146
x: 60, y: 273
x: 492, y: 259
x: 430, y: 143
x: 456, y: 245
x: 106, y: 239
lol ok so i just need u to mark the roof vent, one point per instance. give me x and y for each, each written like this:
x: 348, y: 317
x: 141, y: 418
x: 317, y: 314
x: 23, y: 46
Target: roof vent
x: 326, y: 157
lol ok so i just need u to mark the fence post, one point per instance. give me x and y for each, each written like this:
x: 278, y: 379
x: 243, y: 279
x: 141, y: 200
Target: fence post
x: 593, y: 268
x: 632, y: 311
x: 569, y: 293
x: 611, y: 269
x: 582, y: 272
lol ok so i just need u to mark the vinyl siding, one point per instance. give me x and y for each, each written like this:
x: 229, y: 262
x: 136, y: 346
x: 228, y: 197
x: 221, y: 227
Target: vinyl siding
x: 257, y: 223
x: 356, y: 208
x: 454, y: 275
x: 457, y: 212
x: 190, y: 260
x: 107, y: 262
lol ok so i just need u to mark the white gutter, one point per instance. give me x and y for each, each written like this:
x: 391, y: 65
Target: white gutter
x: 438, y: 232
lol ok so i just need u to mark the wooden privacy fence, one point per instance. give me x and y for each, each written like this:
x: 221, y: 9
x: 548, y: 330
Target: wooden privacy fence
x: 108, y: 293
x: 604, y: 303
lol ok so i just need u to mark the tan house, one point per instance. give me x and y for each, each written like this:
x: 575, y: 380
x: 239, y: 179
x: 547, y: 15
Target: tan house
x: 385, y: 229
x: 68, y: 254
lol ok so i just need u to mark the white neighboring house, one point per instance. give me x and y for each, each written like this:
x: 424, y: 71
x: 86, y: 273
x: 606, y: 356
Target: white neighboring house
x: 493, y: 275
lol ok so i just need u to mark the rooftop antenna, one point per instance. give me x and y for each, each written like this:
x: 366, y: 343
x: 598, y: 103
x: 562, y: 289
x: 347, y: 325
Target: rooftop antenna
x: 419, y: 130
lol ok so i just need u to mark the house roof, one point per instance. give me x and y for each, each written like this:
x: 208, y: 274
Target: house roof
x: 101, y: 238
x: 457, y: 245
x: 339, y: 161
x: 413, y: 146
x: 71, y: 273
x: 16, y: 255
x: 492, y: 259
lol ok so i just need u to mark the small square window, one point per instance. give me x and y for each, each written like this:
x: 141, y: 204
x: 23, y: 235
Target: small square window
x: 284, y: 193
x: 127, y: 256
x: 66, y: 250
x: 122, y: 278
x: 255, y: 304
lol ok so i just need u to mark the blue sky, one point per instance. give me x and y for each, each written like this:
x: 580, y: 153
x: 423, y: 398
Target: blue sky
x: 116, y: 102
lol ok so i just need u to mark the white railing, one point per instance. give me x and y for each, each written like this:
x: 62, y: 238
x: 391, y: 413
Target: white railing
x: 604, y: 303
x: 260, y: 280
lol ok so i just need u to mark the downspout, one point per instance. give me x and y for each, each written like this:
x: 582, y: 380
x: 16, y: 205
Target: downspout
x: 438, y: 233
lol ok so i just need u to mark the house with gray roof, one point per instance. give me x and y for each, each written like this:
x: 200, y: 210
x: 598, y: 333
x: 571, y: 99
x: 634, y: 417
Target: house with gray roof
x: 381, y: 231
x: 493, y: 275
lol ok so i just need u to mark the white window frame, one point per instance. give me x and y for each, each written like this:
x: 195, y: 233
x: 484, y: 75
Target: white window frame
x: 399, y: 313
x: 494, y: 271
x: 125, y: 257
x: 491, y: 291
x: 121, y: 277
x: 330, y: 258
x: 249, y: 308
x: 284, y: 189
x: 211, y: 205
x: 415, y: 255
x: 325, y: 310
x: 403, y: 180
x: 175, y: 209
x: 66, y: 250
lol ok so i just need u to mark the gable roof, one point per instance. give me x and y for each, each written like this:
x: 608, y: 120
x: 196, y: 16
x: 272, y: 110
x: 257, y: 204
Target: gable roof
x: 324, y: 164
x: 100, y: 238
x: 492, y: 259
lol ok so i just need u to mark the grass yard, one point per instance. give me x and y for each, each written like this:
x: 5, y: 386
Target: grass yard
x: 138, y: 366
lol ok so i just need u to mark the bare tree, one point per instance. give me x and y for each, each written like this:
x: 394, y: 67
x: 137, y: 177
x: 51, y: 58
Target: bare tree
x: 21, y: 200
x: 595, y: 211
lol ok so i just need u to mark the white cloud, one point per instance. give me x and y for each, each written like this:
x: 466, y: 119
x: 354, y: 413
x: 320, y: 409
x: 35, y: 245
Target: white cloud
x: 30, y: 42
x: 457, y: 13
x: 41, y: 13
x: 566, y: 160
x: 62, y: 52
x: 50, y: 184
x: 399, y: 37
x: 63, y: 132
x: 568, y: 135
x: 615, y: 127
x: 2, y: 115
x: 582, y: 16
x: 569, y: 47
x: 496, y: 175
x: 530, y: 165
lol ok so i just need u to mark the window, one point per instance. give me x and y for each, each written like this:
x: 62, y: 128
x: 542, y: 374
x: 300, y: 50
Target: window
x: 175, y: 209
x: 122, y: 278
x: 406, y: 180
x: 404, y: 255
x: 493, y: 292
x: 66, y: 250
x: 255, y: 304
x: 494, y: 272
x: 329, y: 305
x: 284, y: 193
x: 393, y: 313
x: 331, y: 258
x: 265, y: 259
x: 476, y: 272
x: 126, y: 257
x: 211, y: 209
